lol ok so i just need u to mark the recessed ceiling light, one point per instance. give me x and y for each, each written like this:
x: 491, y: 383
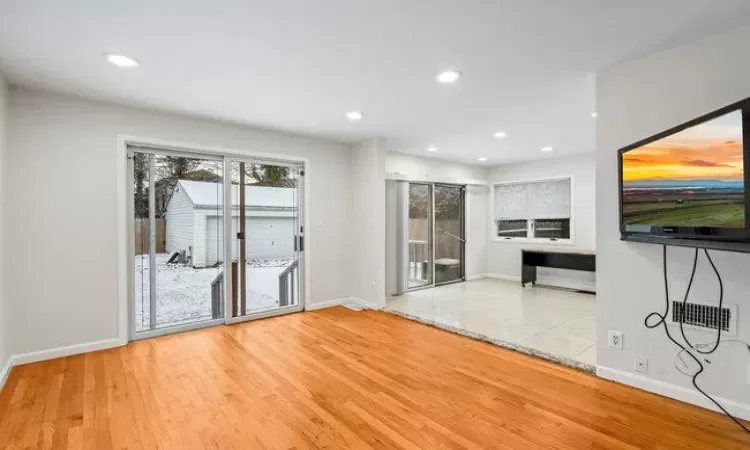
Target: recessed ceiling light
x: 354, y: 116
x: 500, y: 134
x: 594, y: 114
x: 547, y: 149
x: 482, y: 159
x: 448, y: 76
x: 432, y: 148
x: 121, y: 60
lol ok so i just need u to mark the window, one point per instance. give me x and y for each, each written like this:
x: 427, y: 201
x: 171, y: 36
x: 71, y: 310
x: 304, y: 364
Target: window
x: 512, y: 228
x: 533, y: 209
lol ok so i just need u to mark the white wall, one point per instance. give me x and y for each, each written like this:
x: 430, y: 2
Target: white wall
x: 4, y: 317
x: 637, y: 99
x: 415, y: 168
x: 367, y: 245
x: 62, y: 195
x: 477, y: 220
x: 504, y: 258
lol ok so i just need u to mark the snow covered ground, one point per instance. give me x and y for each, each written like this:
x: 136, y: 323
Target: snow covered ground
x: 183, y: 294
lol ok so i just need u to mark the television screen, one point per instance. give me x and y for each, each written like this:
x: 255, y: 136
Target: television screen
x: 692, y: 178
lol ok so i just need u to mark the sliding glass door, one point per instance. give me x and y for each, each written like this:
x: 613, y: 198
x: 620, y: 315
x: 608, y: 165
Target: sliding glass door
x: 420, y: 235
x: 267, y: 238
x: 176, y: 282
x: 197, y: 259
x: 429, y: 234
x: 449, y: 233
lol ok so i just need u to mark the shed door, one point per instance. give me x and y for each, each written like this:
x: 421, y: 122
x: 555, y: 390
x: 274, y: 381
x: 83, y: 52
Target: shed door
x: 267, y: 238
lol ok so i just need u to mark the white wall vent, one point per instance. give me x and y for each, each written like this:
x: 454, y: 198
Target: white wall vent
x: 705, y: 317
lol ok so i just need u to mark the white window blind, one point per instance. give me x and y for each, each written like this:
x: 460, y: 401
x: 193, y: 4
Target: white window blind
x: 548, y: 199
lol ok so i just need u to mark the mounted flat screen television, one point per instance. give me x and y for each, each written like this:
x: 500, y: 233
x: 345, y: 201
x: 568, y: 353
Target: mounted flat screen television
x: 689, y: 182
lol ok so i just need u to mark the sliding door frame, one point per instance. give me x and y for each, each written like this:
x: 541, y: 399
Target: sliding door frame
x: 431, y: 239
x: 462, y: 245
x: 125, y: 238
x: 152, y: 152
x: 433, y: 221
x: 301, y: 215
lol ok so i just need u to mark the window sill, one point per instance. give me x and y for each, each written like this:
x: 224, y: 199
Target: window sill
x: 539, y: 241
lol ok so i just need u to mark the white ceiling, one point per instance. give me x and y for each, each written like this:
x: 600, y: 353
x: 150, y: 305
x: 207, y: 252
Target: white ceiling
x: 300, y: 65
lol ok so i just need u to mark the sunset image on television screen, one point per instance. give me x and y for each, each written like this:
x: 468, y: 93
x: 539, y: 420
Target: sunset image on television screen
x: 692, y: 178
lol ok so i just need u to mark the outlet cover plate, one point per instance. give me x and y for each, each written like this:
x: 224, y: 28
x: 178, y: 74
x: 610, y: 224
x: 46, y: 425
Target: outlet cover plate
x: 614, y: 339
x: 641, y: 364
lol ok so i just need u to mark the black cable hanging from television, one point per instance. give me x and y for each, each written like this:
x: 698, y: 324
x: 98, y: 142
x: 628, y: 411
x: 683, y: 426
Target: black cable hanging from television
x: 663, y: 321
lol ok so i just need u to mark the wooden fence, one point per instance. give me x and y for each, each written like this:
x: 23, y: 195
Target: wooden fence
x: 141, y: 232
x: 446, y: 245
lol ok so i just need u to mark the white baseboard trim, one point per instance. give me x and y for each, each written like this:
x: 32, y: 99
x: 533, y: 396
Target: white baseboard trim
x: 5, y: 372
x: 327, y: 304
x: 342, y: 302
x: 60, y: 352
x: 477, y: 276
x: 680, y: 393
x: 502, y: 276
x: 365, y: 304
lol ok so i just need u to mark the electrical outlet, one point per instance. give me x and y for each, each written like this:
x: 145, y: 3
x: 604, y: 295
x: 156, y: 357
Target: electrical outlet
x: 615, y: 339
x: 641, y: 364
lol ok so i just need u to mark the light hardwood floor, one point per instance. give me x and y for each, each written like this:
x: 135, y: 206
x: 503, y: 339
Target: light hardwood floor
x: 335, y: 378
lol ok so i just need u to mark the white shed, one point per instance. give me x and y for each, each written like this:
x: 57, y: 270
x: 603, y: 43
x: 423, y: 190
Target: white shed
x: 194, y: 221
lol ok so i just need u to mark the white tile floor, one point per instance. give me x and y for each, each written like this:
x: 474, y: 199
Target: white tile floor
x: 553, y: 321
